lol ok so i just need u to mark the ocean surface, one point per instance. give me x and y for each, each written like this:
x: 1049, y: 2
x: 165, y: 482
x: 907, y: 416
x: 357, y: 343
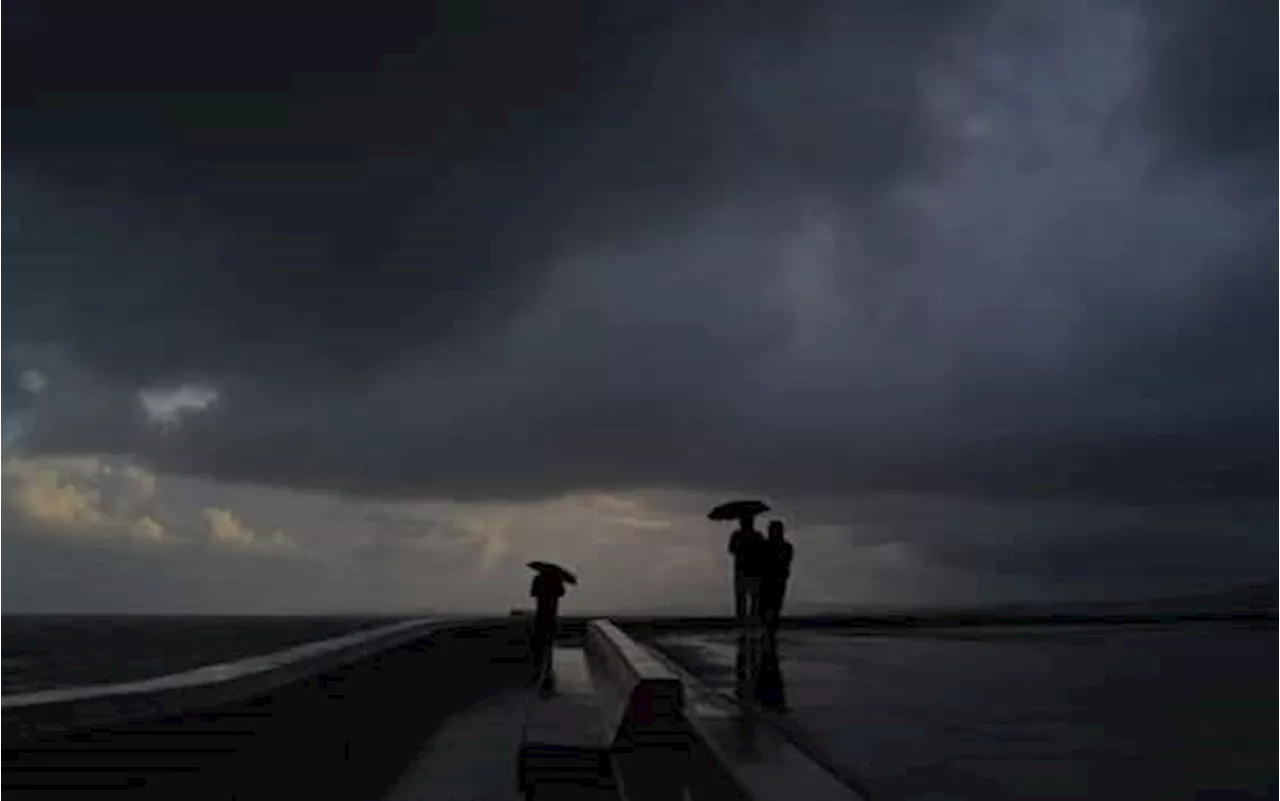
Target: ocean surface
x: 1185, y: 711
x: 42, y: 652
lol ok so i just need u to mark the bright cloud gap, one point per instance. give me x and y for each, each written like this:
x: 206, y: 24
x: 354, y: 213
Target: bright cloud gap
x: 166, y: 406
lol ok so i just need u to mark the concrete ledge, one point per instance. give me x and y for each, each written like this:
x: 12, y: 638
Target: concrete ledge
x: 642, y: 702
x: 51, y: 713
x: 640, y: 696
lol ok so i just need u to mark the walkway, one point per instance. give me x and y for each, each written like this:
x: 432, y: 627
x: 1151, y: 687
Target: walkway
x: 472, y: 756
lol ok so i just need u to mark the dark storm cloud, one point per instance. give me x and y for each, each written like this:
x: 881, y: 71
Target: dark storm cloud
x: 283, y: 190
x: 1097, y: 550
x: 1213, y: 78
x: 493, y: 253
x: 1213, y: 102
x: 264, y: 212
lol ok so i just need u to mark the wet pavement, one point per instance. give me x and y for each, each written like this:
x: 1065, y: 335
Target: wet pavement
x: 471, y: 757
x: 1101, y: 712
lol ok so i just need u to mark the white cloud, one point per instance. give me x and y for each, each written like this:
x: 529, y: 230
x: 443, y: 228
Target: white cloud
x: 224, y: 546
x: 165, y: 406
x: 84, y: 496
x: 104, y: 499
x: 141, y: 482
x: 149, y: 528
x: 33, y: 381
x: 224, y: 528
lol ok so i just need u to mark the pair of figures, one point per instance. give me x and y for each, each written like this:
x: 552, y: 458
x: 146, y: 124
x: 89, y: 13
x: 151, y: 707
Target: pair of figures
x: 761, y: 567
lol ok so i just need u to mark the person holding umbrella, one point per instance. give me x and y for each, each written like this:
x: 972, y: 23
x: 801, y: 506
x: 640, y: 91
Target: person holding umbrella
x: 548, y: 585
x: 745, y: 545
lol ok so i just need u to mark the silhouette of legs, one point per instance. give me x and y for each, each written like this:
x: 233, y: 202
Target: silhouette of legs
x: 771, y: 597
x: 740, y: 597
x: 542, y: 644
x: 766, y: 606
x: 748, y: 597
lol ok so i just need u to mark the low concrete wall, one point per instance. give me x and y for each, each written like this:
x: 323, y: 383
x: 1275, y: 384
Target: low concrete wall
x: 642, y: 704
x: 640, y: 696
x: 50, y: 713
x: 341, y: 726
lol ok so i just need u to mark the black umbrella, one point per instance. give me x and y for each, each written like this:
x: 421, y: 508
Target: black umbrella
x: 736, y: 510
x: 549, y: 567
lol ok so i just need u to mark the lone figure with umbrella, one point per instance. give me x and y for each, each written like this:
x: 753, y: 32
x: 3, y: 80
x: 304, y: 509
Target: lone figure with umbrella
x: 549, y: 581
x: 745, y: 545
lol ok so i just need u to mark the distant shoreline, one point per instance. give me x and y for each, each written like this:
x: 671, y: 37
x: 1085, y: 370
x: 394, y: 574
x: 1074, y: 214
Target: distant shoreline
x: 647, y: 626
x: 898, y: 620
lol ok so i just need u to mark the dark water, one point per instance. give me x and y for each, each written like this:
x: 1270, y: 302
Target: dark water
x: 1103, y: 712
x: 43, y: 652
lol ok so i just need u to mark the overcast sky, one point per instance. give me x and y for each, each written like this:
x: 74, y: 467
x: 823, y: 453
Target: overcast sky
x: 310, y: 310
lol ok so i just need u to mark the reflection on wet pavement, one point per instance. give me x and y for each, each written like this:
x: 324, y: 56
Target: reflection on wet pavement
x: 762, y: 760
x: 758, y: 672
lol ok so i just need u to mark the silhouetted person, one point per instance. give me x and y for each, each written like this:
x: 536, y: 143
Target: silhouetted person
x: 745, y: 545
x: 775, y: 561
x: 547, y: 588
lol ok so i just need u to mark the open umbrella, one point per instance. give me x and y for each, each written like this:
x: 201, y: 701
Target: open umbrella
x: 549, y: 567
x: 736, y: 510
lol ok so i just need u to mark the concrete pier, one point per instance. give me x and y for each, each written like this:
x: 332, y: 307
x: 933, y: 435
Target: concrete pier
x: 418, y: 710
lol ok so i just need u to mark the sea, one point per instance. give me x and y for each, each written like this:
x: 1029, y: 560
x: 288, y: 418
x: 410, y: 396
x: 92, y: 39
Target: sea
x: 42, y: 652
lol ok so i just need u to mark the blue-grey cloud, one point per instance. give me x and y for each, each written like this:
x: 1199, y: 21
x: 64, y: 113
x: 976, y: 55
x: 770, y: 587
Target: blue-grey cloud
x: 498, y: 251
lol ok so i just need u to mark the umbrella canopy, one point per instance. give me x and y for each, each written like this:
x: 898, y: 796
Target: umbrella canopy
x: 560, y: 572
x: 736, y: 510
